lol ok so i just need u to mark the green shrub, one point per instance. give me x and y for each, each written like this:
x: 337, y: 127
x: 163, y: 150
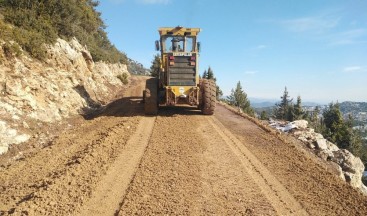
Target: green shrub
x: 41, y: 22
x: 11, y: 49
x: 124, y: 78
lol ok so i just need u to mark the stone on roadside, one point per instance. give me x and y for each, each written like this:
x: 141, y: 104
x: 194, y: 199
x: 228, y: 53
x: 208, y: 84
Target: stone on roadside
x: 332, y: 147
x: 310, y: 145
x: 338, y: 170
x: 303, y: 139
x: 352, y: 167
x: 321, y: 144
x: 300, y: 124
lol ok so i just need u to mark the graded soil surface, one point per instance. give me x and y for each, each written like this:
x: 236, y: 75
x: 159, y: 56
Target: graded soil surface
x: 180, y: 162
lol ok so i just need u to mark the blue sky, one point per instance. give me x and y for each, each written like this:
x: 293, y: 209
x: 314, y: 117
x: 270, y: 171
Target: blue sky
x: 316, y: 48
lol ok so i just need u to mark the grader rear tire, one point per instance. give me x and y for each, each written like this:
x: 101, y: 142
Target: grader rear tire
x: 151, y: 97
x: 208, y: 96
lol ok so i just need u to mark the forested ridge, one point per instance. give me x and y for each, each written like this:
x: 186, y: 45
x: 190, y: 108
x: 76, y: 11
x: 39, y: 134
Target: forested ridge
x: 34, y: 23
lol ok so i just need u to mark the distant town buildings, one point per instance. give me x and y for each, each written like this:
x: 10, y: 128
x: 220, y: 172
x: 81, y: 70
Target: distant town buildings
x: 361, y: 116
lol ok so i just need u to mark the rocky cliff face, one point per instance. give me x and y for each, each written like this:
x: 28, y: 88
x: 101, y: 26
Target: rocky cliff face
x: 67, y: 83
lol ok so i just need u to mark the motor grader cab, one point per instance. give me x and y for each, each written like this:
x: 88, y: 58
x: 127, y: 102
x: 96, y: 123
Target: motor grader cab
x: 178, y: 81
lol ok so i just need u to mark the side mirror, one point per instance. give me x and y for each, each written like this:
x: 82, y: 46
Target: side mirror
x: 199, y: 45
x: 157, y: 45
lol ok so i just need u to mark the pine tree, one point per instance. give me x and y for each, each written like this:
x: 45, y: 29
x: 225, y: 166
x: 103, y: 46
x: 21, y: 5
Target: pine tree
x: 210, y: 74
x: 239, y: 99
x: 282, y: 109
x: 290, y: 116
x: 315, y: 122
x: 219, y: 92
x: 263, y: 115
x: 356, y: 143
x: 333, y: 118
x: 156, y: 66
x: 336, y: 130
x: 298, y: 111
x: 205, y: 75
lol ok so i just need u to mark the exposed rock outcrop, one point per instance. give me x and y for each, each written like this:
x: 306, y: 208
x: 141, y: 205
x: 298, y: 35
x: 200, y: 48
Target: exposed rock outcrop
x: 67, y: 83
x: 349, y: 167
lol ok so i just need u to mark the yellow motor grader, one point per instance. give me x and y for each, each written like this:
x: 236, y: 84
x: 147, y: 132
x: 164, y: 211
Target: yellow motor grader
x: 178, y: 80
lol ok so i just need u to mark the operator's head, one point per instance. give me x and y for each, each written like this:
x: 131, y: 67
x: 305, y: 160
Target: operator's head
x: 175, y: 44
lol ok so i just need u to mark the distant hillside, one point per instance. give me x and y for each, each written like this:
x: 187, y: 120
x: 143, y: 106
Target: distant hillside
x: 264, y: 103
x: 137, y: 68
x: 353, y: 107
x: 32, y: 24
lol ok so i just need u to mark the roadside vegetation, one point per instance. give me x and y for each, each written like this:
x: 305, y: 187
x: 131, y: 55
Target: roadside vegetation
x: 156, y: 65
x: 330, y: 123
x: 31, y: 24
x: 238, y: 98
x: 123, y: 78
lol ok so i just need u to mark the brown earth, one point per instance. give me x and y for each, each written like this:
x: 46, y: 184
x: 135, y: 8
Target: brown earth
x: 120, y: 162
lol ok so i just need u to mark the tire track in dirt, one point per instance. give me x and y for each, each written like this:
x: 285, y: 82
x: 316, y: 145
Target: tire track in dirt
x: 113, y: 185
x: 307, y: 178
x: 187, y: 170
x: 282, y: 201
x: 60, y: 178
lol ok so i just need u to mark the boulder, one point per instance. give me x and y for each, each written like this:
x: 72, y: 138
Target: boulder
x: 331, y: 146
x: 303, y: 139
x: 325, y: 154
x: 338, y: 170
x: 10, y: 136
x: 321, y: 143
x: 352, y: 167
x: 317, y: 136
x: 300, y: 124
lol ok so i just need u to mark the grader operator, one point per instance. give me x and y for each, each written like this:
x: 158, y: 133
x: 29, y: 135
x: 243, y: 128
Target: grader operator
x: 178, y: 81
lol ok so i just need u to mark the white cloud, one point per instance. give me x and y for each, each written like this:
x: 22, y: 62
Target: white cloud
x: 316, y: 24
x: 352, y: 69
x: 153, y: 1
x: 325, y: 26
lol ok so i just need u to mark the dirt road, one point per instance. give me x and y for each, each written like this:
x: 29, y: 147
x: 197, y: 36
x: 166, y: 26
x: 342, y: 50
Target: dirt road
x: 121, y: 162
